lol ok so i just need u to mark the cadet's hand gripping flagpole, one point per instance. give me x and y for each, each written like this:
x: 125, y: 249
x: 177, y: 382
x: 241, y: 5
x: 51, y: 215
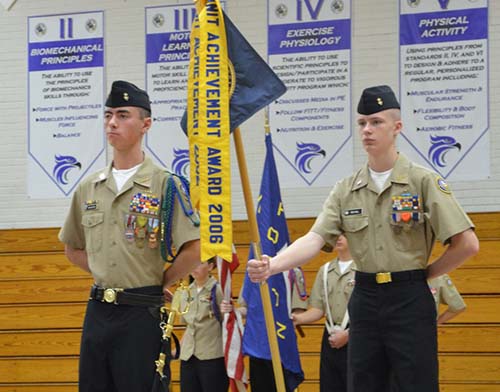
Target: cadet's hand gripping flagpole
x: 255, y: 241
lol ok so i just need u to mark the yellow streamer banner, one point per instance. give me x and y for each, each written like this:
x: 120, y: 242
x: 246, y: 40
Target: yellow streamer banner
x: 213, y: 138
x: 193, y: 109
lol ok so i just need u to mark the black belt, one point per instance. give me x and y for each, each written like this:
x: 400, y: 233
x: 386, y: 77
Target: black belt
x: 390, y: 277
x: 119, y: 296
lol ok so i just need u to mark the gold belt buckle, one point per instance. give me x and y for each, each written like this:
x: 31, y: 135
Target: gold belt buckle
x: 110, y: 295
x: 383, y: 277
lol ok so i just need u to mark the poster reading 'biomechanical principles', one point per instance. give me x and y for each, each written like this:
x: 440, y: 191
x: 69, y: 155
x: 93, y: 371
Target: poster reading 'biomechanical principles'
x: 309, y: 47
x: 444, y: 86
x: 65, y: 101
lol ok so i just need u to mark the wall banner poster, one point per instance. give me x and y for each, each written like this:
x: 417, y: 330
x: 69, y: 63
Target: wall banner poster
x: 309, y: 48
x: 444, y: 86
x: 66, y: 139
x: 168, y: 30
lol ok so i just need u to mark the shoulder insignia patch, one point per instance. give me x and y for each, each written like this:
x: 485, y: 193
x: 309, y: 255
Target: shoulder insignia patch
x: 442, y: 185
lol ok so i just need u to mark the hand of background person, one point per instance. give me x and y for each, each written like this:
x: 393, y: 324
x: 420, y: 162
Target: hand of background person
x: 226, y: 306
x: 338, y: 339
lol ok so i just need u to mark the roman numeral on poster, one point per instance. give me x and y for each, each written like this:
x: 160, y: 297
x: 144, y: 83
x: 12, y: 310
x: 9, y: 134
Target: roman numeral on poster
x: 313, y: 12
x: 66, y: 28
x: 183, y: 18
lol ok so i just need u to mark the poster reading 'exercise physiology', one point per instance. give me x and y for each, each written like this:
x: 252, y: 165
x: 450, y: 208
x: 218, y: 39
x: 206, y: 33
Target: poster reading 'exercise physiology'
x: 309, y: 48
x: 444, y: 86
x: 65, y: 101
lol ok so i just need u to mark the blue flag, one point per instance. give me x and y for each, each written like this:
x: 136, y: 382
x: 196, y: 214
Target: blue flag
x: 256, y: 84
x: 274, y: 236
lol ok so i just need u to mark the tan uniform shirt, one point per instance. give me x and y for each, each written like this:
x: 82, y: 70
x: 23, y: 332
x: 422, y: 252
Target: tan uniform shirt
x: 444, y: 292
x: 339, y: 287
x: 377, y: 242
x: 97, y: 222
x: 203, y: 335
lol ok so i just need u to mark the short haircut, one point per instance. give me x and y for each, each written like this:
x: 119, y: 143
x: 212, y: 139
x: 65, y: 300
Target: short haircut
x: 143, y: 113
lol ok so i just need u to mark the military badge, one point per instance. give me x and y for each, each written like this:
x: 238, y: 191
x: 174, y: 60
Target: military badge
x: 353, y: 211
x: 298, y: 281
x: 129, y: 227
x: 142, y: 223
x: 442, y: 185
x: 406, y: 208
x: 90, y: 205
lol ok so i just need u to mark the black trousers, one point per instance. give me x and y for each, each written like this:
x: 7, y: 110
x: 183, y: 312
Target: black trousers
x: 262, y: 376
x: 119, y: 346
x: 392, y: 335
x: 207, y: 375
x: 332, y: 367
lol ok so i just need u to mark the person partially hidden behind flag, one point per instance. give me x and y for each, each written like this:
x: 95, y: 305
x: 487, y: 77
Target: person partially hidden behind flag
x: 250, y: 306
x: 202, y: 356
x: 391, y: 211
x: 329, y: 297
x: 113, y: 231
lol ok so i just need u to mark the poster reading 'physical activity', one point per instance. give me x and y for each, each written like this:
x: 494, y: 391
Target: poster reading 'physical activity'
x: 309, y: 48
x: 444, y: 86
x: 66, y: 139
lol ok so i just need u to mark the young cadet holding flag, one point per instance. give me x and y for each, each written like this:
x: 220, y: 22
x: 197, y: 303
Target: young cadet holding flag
x: 329, y: 297
x: 391, y: 212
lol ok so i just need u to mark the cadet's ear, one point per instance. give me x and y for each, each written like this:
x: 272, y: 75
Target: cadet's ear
x: 147, y: 125
x: 398, y: 127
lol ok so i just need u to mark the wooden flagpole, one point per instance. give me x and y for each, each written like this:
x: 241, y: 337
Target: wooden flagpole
x: 257, y: 251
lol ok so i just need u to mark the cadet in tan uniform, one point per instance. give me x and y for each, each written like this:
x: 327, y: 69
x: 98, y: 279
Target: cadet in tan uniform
x: 202, y: 356
x: 444, y: 292
x: 391, y: 212
x: 332, y: 303
x: 118, y: 225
